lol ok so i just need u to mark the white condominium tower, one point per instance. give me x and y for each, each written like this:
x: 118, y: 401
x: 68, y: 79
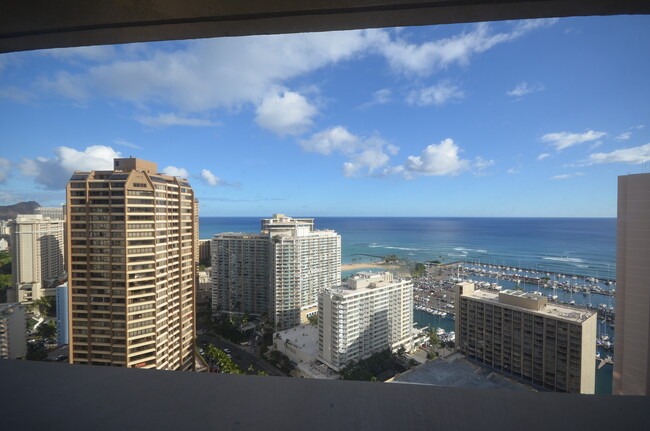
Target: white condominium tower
x: 37, y: 256
x: 369, y: 313
x: 304, y: 261
x: 278, y: 272
x: 132, y: 268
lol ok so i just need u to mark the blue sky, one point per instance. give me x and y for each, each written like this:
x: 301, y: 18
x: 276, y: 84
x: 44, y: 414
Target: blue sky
x: 520, y: 118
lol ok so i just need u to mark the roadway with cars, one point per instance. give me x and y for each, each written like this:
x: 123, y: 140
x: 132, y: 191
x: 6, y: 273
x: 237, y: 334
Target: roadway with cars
x: 241, y: 355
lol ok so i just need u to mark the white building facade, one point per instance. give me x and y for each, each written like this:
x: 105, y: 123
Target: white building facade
x: 37, y: 256
x: 369, y: 313
x: 13, y: 331
x: 55, y: 213
x: 278, y: 272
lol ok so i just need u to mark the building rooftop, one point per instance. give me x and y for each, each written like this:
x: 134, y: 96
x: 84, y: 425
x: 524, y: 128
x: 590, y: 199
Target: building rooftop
x: 558, y: 311
x: 318, y: 370
x: 365, y: 281
x: 458, y: 373
x: 303, y: 337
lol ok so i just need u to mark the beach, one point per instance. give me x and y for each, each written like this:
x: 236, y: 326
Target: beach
x: 379, y: 265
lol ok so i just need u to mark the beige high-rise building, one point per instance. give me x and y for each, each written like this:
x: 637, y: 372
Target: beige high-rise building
x: 367, y: 314
x: 132, y: 267
x: 550, y: 345
x: 37, y: 256
x: 632, y: 330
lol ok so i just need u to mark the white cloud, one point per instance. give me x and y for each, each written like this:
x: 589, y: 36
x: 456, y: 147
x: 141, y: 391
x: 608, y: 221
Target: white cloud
x: 17, y: 95
x: 633, y: 156
x: 8, y: 198
x: 54, y: 173
x: 565, y: 176
x: 173, y: 171
x: 286, y: 114
x: 205, y: 74
x: 481, y: 164
x: 543, y: 156
x: 429, y: 57
x: 365, y: 156
x: 562, y: 140
x: 524, y: 88
x: 124, y: 143
x: 624, y: 136
x: 334, y: 139
x: 210, y: 73
x: 438, y: 94
x: 93, y: 53
x: 595, y: 145
x: 513, y: 171
x: 5, y: 168
x: 379, y: 97
x: 209, y: 178
x: 165, y: 120
x: 441, y: 159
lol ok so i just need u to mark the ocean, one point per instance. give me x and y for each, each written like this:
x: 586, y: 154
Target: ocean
x: 582, y: 247
x: 575, y: 246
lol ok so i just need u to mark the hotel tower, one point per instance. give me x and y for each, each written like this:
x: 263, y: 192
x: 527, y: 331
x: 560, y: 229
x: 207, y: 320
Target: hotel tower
x: 132, y: 249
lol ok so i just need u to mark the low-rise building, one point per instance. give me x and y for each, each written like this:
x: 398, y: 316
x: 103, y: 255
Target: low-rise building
x: 299, y: 344
x: 522, y: 334
x: 369, y: 313
x: 13, y: 331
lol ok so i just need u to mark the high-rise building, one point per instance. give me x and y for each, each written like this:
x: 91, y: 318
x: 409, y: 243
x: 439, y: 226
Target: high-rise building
x: 304, y: 261
x: 37, y: 256
x: 132, y: 268
x: 13, y: 331
x: 62, y: 332
x: 367, y: 314
x: 550, y: 345
x: 240, y: 273
x: 278, y: 272
x: 54, y: 213
x: 632, y: 330
x: 204, y: 252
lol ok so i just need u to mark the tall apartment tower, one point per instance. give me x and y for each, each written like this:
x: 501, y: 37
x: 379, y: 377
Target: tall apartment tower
x: 303, y: 262
x: 132, y: 269
x: 549, y: 345
x: 367, y: 314
x: 278, y: 272
x: 37, y: 256
x: 240, y: 273
x: 632, y: 331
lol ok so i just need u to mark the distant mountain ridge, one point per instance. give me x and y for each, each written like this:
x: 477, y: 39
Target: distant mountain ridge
x: 10, y: 211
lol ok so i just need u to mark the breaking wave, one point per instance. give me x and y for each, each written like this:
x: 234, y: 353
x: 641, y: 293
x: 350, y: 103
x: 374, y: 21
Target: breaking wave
x: 564, y: 259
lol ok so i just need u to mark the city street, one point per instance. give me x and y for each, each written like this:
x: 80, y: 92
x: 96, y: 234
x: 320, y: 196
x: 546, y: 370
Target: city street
x: 241, y: 355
